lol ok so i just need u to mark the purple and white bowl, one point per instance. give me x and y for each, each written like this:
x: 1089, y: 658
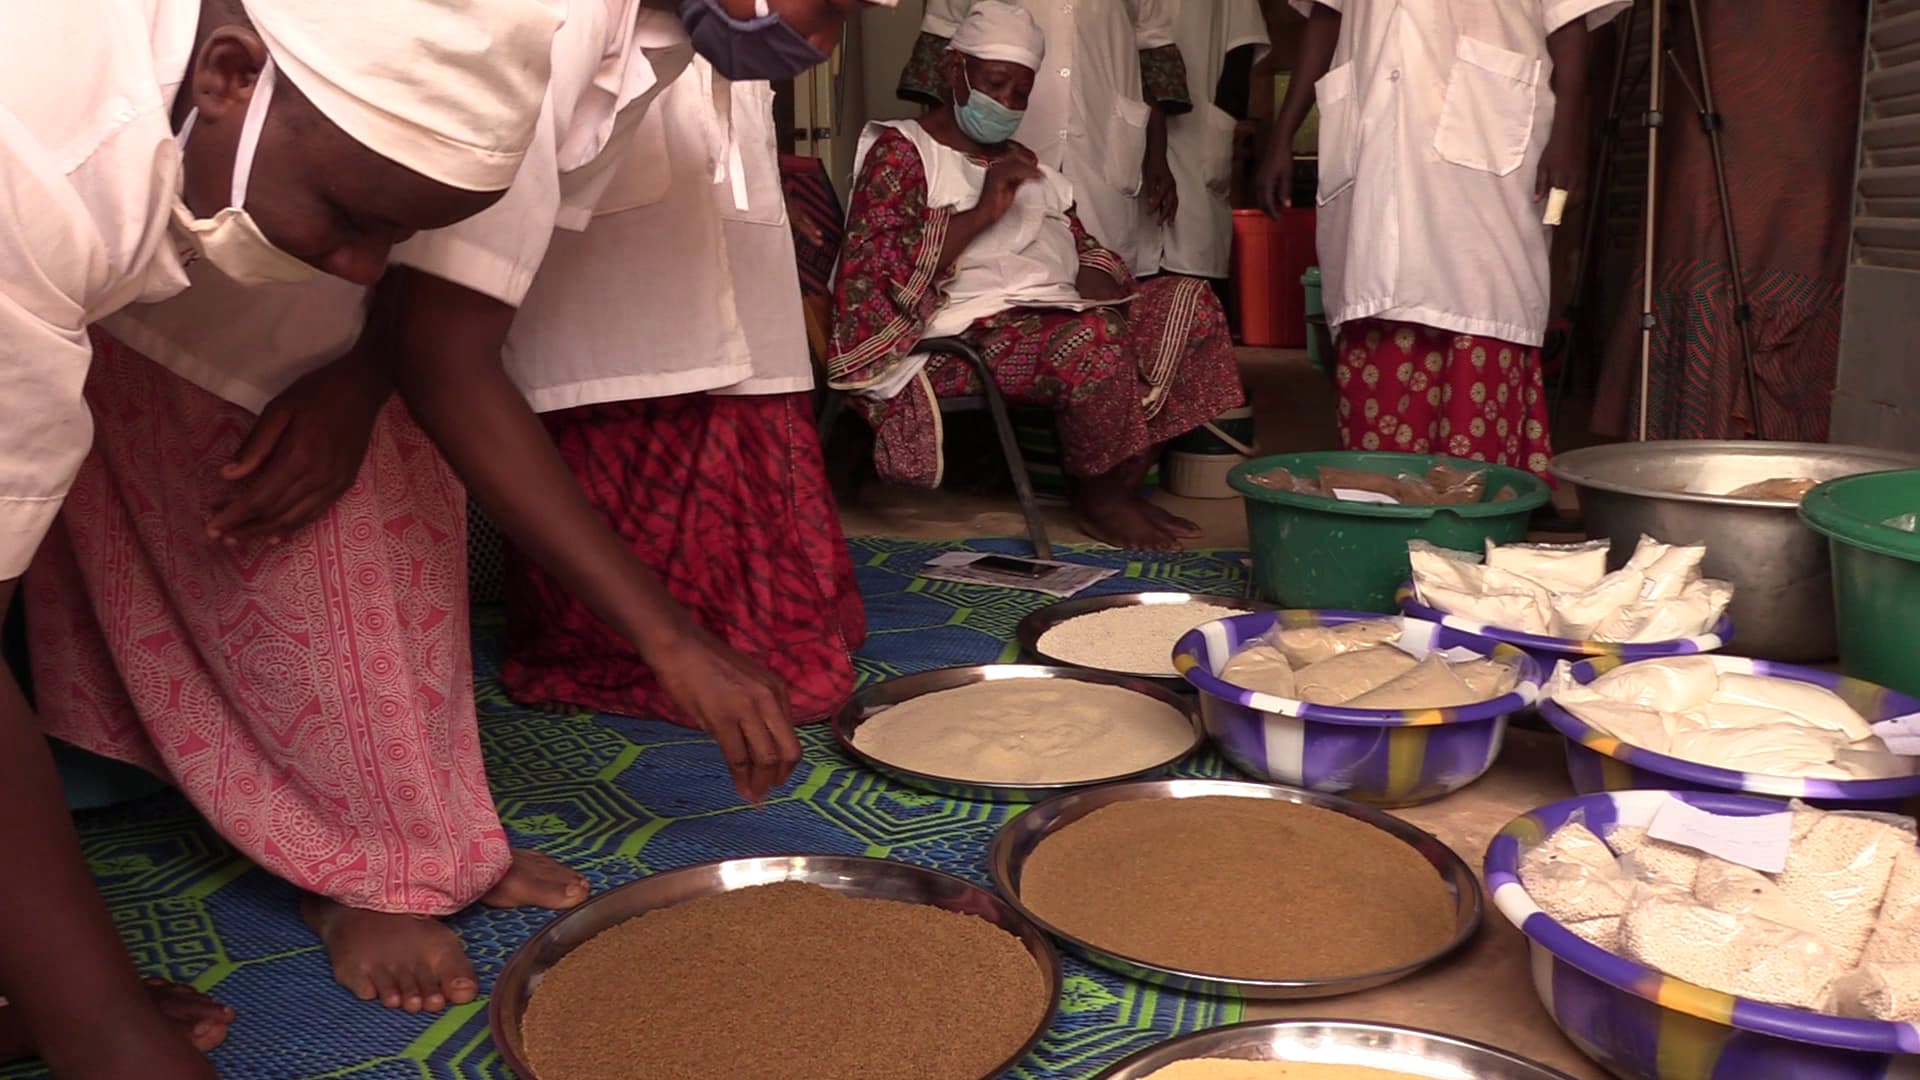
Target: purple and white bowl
x: 1551, y: 650
x: 1643, y: 1025
x: 1597, y: 761
x: 1387, y: 757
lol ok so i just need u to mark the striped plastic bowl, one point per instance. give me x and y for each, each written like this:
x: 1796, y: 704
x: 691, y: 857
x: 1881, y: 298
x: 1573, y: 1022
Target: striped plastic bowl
x: 1387, y: 757
x: 1643, y: 1025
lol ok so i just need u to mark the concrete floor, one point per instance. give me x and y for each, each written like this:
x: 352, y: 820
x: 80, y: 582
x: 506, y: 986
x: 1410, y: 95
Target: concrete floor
x: 1293, y: 408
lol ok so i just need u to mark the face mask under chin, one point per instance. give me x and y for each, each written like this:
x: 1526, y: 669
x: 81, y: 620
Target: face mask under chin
x: 231, y: 240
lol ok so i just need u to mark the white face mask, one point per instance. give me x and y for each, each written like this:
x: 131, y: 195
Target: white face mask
x: 230, y: 239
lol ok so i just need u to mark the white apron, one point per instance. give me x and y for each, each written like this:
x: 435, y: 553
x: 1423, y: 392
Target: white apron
x: 1199, y: 240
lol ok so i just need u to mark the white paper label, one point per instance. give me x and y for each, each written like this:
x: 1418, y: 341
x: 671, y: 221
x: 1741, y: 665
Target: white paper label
x: 1901, y: 734
x: 1355, y: 495
x: 1759, y: 841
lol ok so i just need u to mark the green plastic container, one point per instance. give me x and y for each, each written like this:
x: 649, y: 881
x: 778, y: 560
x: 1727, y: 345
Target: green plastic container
x: 1876, y: 573
x: 1314, y: 552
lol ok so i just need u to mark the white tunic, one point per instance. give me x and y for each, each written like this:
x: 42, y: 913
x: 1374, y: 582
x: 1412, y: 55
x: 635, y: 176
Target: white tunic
x: 673, y: 288
x: 88, y: 175
x: 247, y: 345
x: 1199, y: 240
x: 1086, y: 117
x: 1433, y: 120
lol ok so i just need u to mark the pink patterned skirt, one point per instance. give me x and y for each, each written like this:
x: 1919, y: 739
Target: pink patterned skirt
x: 314, y: 698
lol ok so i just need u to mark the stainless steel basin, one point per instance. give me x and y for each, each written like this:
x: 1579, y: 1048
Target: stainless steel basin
x: 1783, y: 589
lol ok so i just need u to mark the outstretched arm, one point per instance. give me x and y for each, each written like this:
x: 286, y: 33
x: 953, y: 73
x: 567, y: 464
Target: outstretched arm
x: 1316, y: 56
x: 1564, y: 164
x: 443, y: 342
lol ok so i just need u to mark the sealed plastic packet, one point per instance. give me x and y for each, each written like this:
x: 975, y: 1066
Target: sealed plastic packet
x: 1568, y: 568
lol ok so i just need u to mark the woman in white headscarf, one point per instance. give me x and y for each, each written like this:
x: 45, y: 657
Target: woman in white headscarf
x: 277, y: 140
x: 954, y: 229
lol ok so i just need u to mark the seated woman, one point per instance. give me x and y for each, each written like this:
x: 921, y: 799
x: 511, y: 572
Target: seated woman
x: 954, y: 230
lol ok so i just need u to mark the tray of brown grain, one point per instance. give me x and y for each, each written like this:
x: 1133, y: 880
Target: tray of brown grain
x: 858, y: 966
x: 1237, y: 888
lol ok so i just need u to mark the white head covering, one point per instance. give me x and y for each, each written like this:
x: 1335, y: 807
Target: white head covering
x: 448, y: 88
x: 995, y: 30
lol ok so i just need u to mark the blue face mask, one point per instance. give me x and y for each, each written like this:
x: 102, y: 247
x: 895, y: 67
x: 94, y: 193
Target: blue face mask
x: 761, y: 49
x: 985, y: 120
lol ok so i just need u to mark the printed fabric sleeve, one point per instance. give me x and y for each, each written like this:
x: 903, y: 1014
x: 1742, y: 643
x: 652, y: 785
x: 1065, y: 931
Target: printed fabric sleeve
x: 920, y: 79
x: 1598, y: 13
x: 1163, y: 79
x: 889, y: 282
x: 1095, y: 257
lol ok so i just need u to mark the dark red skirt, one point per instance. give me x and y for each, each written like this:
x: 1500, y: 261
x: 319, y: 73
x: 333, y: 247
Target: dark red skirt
x: 726, y: 498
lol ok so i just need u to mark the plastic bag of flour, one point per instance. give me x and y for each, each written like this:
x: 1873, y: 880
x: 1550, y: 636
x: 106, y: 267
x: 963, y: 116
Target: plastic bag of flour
x: 1452, y: 584
x: 1672, y: 683
x: 1876, y: 991
x: 1574, y: 877
x: 1304, y: 646
x: 1670, y: 931
x: 1577, y: 615
x: 1838, y: 869
x: 1896, y: 931
x: 1561, y: 568
x: 1263, y: 668
x: 1669, y: 568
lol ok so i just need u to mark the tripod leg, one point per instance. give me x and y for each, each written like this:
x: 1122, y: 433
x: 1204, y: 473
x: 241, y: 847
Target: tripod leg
x: 1656, y: 87
x: 1596, y: 200
x: 1742, y: 313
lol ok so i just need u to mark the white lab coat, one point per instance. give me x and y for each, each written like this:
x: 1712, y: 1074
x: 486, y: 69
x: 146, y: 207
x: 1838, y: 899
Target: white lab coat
x: 674, y: 287
x: 1086, y: 116
x: 1199, y: 240
x: 611, y: 58
x: 88, y: 175
x: 1433, y: 119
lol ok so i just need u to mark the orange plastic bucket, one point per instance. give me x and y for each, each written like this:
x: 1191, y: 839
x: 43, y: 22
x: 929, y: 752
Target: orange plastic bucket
x: 1269, y: 258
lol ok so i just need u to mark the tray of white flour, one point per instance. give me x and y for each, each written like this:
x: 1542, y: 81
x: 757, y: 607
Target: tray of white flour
x: 1016, y: 732
x: 1126, y: 633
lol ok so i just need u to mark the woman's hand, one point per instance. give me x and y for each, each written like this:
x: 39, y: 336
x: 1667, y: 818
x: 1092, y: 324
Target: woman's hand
x: 742, y: 705
x: 1158, y: 189
x: 804, y: 226
x: 1275, y: 185
x: 1562, y: 166
x: 303, y: 453
x: 1003, y: 181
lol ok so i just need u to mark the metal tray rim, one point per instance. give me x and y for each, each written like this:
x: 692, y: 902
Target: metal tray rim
x: 1056, y: 813
x: 1143, y: 1063
x: 920, y: 684
x: 1029, y: 933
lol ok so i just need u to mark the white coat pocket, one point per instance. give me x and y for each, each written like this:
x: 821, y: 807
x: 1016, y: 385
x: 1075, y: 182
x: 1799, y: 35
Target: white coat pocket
x: 1126, y: 144
x: 1216, y: 158
x: 1486, y: 121
x: 1339, y: 132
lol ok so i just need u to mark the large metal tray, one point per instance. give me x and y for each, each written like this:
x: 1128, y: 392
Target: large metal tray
x: 850, y: 875
x: 1016, y: 841
x: 882, y: 696
x: 1338, y: 1042
x: 1037, y: 623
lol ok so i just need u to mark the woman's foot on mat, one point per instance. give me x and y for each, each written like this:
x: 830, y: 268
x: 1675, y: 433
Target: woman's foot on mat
x: 536, y: 880
x: 1171, y: 523
x: 410, y: 962
x: 198, y: 1020
x: 1123, y: 520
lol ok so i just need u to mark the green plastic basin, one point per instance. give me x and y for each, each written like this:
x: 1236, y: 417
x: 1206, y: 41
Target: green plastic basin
x: 1876, y: 573
x: 1314, y: 552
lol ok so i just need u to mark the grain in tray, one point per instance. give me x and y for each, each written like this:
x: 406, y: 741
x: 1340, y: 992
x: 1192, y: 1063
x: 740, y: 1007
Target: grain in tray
x: 1136, y: 639
x: 787, y: 982
x: 1200, y: 885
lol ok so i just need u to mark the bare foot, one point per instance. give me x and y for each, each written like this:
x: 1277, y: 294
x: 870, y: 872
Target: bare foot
x: 536, y: 880
x: 200, y: 1021
x: 1171, y: 523
x: 410, y: 962
x: 1123, y: 521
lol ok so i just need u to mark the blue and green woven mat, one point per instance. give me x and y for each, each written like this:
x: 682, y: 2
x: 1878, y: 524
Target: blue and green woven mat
x: 618, y: 798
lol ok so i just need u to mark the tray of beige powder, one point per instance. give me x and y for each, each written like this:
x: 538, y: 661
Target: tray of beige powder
x: 1126, y: 633
x: 790, y: 967
x: 1236, y: 888
x: 1016, y: 732
x: 1324, y: 1050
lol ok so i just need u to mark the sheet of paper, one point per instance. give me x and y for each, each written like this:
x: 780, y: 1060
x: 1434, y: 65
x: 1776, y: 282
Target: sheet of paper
x: 1063, y: 580
x: 1355, y: 495
x: 1901, y: 734
x: 1759, y: 841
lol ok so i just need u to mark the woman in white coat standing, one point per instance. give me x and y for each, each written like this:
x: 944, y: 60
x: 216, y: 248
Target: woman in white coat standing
x: 1444, y: 126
